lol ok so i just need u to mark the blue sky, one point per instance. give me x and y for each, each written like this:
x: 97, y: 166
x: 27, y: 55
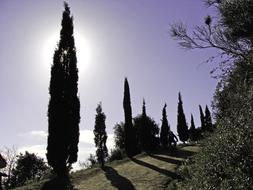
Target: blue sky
x: 115, y: 39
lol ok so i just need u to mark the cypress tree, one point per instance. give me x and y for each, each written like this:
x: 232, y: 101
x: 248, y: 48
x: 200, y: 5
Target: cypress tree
x: 64, y: 105
x: 164, y: 128
x: 100, y: 136
x: 130, y: 134
x: 192, y: 130
x: 182, y: 128
x: 202, y: 119
x: 144, y: 114
x: 208, y: 120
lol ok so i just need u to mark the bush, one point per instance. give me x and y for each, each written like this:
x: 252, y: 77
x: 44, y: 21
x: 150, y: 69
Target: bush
x: 117, y: 154
x: 226, y: 159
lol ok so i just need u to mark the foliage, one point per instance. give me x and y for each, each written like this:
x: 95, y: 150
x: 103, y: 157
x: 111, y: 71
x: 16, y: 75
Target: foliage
x: 10, y: 156
x: 28, y: 167
x: 119, y: 135
x: 165, y: 128
x: 64, y: 105
x: 182, y: 128
x: 130, y: 132
x: 232, y: 15
x: 100, y: 136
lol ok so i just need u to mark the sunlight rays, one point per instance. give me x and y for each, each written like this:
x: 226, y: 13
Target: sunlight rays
x: 83, y: 51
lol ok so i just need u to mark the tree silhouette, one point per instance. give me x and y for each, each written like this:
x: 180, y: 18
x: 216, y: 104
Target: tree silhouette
x: 208, y: 120
x: 182, y: 128
x: 164, y: 129
x: 130, y: 133
x: 28, y: 167
x: 147, y: 130
x: 64, y: 105
x: 100, y: 136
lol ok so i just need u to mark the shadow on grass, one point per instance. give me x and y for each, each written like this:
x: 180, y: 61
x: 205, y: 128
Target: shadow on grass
x: 180, y: 153
x: 155, y: 168
x: 166, y: 159
x: 117, y: 181
x: 58, y: 184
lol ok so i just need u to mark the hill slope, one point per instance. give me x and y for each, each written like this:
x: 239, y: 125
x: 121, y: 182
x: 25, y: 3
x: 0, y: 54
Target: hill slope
x: 153, y: 172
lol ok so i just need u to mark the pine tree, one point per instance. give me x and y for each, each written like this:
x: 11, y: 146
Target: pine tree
x: 164, y: 128
x: 100, y: 136
x: 182, y: 128
x: 202, y: 119
x: 130, y: 133
x: 208, y: 120
x: 192, y: 130
x: 64, y: 105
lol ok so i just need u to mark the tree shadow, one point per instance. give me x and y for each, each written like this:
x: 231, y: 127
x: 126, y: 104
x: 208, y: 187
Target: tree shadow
x: 180, y: 153
x: 165, y: 172
x: 117, y: 181
x: 62, y: 183
x: 166, y: 159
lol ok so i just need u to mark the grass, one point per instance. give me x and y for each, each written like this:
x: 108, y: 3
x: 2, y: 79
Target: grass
x: 155, y: 171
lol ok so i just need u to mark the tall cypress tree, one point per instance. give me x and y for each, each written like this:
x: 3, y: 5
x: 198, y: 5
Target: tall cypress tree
x: 202, y: 119
x: 192, y: 130
x: 64, y: 105
x: 208, y: 120
x: 130, y: 134
x: 182, y: 128
x: 100, y: 136
x: 164, y: 128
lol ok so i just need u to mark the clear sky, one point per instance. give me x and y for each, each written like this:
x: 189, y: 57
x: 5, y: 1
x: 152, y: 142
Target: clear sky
x: 115, y: 39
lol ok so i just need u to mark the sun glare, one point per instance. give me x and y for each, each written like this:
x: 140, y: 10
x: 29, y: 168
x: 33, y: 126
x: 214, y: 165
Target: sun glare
x: 82, y: 51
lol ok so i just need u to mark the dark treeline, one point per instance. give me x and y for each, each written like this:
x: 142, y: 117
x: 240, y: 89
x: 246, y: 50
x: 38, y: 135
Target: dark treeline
x: 146, y: 132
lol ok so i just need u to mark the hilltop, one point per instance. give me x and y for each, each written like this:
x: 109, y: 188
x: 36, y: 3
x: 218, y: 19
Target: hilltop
x: 155, y: 171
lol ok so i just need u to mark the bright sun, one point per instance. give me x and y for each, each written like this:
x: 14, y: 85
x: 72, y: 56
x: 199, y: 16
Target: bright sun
x: 82, y: 51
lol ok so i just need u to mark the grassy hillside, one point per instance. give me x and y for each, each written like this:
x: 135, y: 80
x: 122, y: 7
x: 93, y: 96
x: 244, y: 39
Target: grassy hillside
x: 154, y: 172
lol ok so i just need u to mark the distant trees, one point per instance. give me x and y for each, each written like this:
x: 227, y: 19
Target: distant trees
x: 182, y: 128
x: 165, y: 128
x: 10, y: 156
x: 119, y: 135
x: 100, y: 136
x: 28, y: 167
x: 64, y: 105
x: 130, y: 132
x: 147, y: 131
